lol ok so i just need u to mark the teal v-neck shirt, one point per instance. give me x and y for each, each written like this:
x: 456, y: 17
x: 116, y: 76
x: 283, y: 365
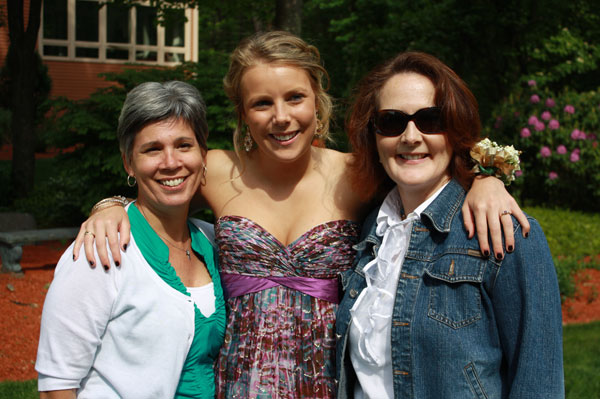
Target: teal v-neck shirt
x: 197, y: 377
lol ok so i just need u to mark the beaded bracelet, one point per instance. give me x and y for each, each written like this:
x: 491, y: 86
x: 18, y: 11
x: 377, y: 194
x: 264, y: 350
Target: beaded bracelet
x: 108, y: 202
x: 496, y: 160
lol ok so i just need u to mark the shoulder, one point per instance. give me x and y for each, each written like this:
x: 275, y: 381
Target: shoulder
x: 206, y: 228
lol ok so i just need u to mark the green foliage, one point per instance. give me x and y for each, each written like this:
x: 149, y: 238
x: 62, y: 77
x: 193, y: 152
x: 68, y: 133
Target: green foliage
x: 557, y: 133
x: 581, y: 360
x: 90, y: 166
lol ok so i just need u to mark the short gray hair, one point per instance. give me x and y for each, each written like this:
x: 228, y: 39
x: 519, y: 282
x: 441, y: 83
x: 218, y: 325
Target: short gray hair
x: 152, y: 102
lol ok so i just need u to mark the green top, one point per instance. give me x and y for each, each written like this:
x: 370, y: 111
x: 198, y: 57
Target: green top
x: 197, y: 377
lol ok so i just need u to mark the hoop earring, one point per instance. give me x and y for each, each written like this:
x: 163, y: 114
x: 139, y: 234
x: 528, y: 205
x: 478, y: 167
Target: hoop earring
x: 203, y: 181
x: 248, y: 140
x: 319, y: 130
x: 129, y: 183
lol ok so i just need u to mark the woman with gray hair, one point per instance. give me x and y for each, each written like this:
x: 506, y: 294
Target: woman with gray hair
x: 154, y: 328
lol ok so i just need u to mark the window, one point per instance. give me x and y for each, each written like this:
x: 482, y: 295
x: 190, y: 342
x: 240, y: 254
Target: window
x: 89, y: 30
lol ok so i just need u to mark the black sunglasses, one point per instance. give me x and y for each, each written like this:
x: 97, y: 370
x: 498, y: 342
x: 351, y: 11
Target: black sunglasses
x: 391, y: 122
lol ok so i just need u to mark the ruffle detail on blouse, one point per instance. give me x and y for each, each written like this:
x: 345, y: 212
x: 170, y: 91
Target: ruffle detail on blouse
x: 381, y: 277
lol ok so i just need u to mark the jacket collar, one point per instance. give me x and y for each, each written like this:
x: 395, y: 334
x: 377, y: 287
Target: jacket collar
x: 442, y: 211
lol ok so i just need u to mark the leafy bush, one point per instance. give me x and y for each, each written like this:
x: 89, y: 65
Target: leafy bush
x: 90, y: 166
x: 556, y: 125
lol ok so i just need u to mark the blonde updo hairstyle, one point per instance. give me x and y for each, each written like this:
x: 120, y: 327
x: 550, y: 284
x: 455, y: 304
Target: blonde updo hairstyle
x: 282, y: 48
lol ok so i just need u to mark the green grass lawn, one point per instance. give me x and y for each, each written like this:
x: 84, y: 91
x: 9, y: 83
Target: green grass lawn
x: 581, y: 354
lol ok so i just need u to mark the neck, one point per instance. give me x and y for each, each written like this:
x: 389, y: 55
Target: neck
x: 283, y: 173
x: 412, y: 197
x: 170, y: 222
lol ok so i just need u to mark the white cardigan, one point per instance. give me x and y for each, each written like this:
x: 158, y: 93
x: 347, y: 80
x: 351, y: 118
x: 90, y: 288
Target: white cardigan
x: 118, y: 334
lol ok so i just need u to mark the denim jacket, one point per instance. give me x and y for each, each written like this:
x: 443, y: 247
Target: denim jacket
x: 464, y: 325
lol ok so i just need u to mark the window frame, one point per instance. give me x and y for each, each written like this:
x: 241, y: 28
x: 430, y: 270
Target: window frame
x: 189, y: 51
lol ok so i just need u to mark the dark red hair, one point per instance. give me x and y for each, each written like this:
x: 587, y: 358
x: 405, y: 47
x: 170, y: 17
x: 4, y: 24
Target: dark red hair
x: 459, y: 111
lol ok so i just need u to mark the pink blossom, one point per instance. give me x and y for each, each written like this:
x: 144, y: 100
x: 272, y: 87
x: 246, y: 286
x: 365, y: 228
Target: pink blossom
x: 531, y: 83
x: 518, y: 173
x: 577, y: 135
x: 550, y: 103
x: 552, y: 175
x: 545, y: 152
x: 561, y: 149
x: 546, y: 115
x: 574, y: 156
x: 569, y: 109
x: 534, y: 99
x: 539, y: 126
x: 525, y: 132
x: 553, y: 124
x: 533, y: 120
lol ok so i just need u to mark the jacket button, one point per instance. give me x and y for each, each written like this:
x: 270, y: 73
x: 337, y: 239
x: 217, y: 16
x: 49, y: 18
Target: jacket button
x: 336, y: 382
x: 353, y: 293
x: 338, y: 336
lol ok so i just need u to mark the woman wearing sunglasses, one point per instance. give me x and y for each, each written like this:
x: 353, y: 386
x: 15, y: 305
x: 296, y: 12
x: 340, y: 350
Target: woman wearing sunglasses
x: 427, y: 314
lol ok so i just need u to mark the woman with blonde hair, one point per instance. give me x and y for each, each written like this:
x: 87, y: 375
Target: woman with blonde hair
x: 286, y: 220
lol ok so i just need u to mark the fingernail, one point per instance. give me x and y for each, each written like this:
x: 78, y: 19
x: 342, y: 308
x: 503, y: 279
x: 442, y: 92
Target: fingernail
x: 124, y: 247
x: 105, y: 267
x: 526, y: 234
x: 117, y: 263
x: 499, y: 256
x: 486, y: 252
x: 73, y: 257
x: 91, y: 264
x: 510, y: 248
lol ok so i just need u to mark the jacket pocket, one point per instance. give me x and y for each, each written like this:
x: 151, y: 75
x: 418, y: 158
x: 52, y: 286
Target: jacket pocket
x: 454, y: 283
x: 474, y: 382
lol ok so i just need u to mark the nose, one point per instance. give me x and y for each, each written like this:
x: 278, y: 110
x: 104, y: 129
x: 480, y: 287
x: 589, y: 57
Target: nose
x: 170, y: 159
x: 281, y: 114
x: 411, y: 134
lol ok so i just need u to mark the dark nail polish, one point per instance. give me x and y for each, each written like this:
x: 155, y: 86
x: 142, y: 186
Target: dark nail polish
x: 105, y: 267
x: 526, y: 234
x: 73, y: 257
x: 499, y: 256
x: 91, y: 264
x: 510, y: 248
x: 125, y: 247
x: 117, y: 263
x: 486, y: 253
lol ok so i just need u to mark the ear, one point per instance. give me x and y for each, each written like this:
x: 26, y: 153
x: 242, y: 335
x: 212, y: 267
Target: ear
x: 126, y: 165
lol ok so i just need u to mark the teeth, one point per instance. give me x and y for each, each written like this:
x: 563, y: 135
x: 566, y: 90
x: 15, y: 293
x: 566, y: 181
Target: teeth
x: 172, y: 183
x: 411, y: 157
x: 284, y: 137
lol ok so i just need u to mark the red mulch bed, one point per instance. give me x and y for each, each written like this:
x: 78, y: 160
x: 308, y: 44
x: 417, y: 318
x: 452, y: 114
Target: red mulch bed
x: 22, y: 298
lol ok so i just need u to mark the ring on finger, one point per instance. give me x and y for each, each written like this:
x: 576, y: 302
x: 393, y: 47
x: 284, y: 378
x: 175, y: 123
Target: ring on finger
x: 506, y: 212
x: 89, y: 232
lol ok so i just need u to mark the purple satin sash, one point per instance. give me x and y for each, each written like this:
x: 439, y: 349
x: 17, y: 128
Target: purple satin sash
x: 237, y: 285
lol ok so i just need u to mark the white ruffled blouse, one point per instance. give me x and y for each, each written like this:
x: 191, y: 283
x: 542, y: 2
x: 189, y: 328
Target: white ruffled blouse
x: 370, y: 330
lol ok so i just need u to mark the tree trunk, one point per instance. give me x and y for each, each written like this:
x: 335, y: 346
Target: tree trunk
x: 288, y: 16
x: 21, y: 64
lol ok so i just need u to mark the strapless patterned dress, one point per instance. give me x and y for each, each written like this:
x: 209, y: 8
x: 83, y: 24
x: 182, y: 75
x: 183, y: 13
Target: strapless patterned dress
x: 280, y: 341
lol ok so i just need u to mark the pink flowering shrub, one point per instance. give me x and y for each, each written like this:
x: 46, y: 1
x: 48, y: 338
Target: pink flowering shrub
x: 559, y: 138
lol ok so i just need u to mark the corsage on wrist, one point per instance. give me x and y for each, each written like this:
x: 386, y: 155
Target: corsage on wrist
x: 501, y: 161
x: 108, y: 202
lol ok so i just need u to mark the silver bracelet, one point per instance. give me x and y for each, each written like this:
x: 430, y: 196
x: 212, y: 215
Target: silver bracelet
x: 108, y: 202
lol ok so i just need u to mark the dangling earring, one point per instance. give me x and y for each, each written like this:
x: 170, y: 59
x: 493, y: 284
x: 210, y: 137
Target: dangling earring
x: 129, y: 183
x: 319, y: 130
x: 203, y: 182
x: 248, y: 140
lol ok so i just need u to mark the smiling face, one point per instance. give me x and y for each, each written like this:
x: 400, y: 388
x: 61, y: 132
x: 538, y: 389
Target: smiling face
x: 280, y: 110
x: 167, y: 163
x: 418, y: 163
